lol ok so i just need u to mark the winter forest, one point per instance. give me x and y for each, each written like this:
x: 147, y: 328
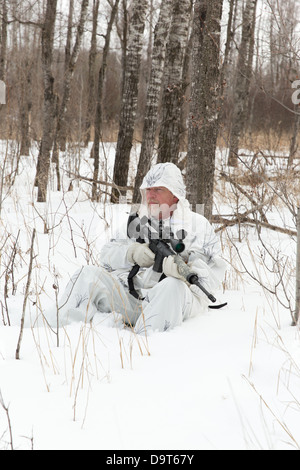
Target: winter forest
x: 92, y: 94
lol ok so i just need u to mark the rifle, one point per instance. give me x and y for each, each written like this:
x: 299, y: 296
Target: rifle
x: 164, y: 244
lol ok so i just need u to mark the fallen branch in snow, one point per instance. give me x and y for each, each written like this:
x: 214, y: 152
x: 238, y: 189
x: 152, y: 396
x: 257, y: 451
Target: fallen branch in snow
x: 243, y: 218
x: 105, y: 183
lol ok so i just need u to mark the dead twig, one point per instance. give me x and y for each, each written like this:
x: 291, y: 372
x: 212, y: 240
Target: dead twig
x: 26, y: 294
x: 6, y: 410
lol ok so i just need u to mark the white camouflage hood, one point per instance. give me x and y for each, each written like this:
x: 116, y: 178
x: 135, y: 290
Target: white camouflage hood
x: 169, y: 176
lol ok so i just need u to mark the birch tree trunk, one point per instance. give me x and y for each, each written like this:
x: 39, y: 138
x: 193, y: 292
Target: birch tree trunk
x: 228, y: 44
x: 294, y: 138
x: 242, y: 81
x: 153, y: 93
x: 205, y: 105
x: 297, y: 306
x: 169, y: 136
x: 92, y: 75
x: 60, y: 134
x: 98, y: 116
x: 25, y: 106
x: 3, y: 40
x: 130, y: 94
x: 122, y: 25
x: 3, y: 54
x: 50, y: 102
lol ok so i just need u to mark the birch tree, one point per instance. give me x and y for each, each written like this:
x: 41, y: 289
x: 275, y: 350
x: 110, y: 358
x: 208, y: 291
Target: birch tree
x: 130, y: 94
x: 204, y: 112
x: 71, y: 60
x: 3, y: 52
x: 3, y: 40
x: 242, y: 80
x: 153, y: 93
x: 122, y: 25
x: 50, y: 101
x: 92, y: 74
x: 297, y: 304
x: 169, y: 135
x: 25, y: 104
x: 98, y: 115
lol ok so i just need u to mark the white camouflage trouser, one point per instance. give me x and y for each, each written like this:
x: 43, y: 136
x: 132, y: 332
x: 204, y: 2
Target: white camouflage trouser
x: 92, y: 290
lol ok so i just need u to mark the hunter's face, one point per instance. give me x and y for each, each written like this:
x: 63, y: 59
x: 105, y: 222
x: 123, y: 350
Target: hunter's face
x: 161, y: 202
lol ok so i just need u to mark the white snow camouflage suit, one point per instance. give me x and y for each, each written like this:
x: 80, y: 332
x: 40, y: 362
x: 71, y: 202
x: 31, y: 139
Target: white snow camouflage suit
x: 103, y: 290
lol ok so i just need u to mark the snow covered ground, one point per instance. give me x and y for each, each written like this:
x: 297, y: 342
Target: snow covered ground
x: 229, y: 379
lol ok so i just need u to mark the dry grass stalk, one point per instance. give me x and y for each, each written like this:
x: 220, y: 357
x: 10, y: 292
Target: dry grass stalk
x: 26, y: 294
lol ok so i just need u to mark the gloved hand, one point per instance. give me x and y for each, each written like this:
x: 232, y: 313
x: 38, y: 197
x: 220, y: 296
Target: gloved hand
x: 140, y: 253
x: 170, y: 268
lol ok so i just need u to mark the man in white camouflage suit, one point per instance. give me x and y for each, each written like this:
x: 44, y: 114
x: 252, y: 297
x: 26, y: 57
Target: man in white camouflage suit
x: 158, y: 301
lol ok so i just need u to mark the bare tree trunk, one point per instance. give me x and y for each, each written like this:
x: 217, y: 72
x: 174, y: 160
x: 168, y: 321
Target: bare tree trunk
x: 27, y: 61
x: 3, y: 54
x: 98, y: 116
x: 229, y: 39
x: 3, y: 41
x: 294, y: 138
x: 122, y: 30
x: 153, y: 93
x: 49, y: 108
x: 25, y: 107
x: 242, y: 82
x: 204, y: 112
x: 69, y: 35
x: 185, y: 82
x: 60, y: 135
x: 130, y: 94
x: 92, y: 75
x: 297, y: 306
x: 172, y: 100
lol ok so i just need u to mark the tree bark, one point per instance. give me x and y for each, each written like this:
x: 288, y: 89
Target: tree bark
x: 297, y: 303
x: 172, y: 100
x: 60, y: 134
x: 3, y: 41
x: 3, y: 55
x: 92, y: 75
x: 130, y: 94
x: 205, y: 105
x: 294, y: 138
x: 228, y: 44
x: 153, y: 94
x: 98, y: 116
x: 122, y: 30
x: 50, y: 102
x: 242, y: 82
x: 25, y: 107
